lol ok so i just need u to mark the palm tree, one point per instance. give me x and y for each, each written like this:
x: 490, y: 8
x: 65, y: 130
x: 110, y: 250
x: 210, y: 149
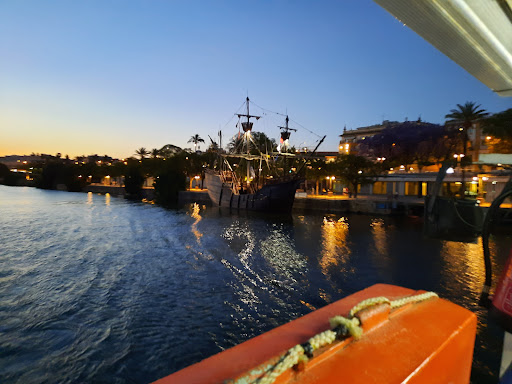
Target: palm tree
x: 467, y: 115
x: 155, y: 152
x: 195, y: 139
x: 142, y: 152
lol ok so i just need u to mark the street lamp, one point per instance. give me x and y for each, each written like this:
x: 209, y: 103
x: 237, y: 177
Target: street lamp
x: 459, y: 157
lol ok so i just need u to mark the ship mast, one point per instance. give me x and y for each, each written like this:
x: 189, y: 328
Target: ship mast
x: 247, y: 127
x: 285, y: 134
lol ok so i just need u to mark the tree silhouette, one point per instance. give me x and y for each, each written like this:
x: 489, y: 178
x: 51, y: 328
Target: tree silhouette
x: 499, y: 126
x: 142, y: 152
x: 155, y: 152
x: 466, y: 115
x: 195, y: 139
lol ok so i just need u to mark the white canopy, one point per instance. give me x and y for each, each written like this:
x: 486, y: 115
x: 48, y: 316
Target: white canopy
x: 476, y: 34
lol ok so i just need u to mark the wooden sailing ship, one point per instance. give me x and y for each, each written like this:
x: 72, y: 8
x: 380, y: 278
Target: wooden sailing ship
x: 231, y: 188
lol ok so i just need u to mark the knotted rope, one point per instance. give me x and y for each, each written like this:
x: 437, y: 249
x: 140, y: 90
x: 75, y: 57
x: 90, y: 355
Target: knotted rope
x: 342, y: 327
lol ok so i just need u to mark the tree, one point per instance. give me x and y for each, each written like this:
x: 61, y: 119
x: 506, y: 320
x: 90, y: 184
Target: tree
x: 133, y: 180
x: 142, y: 152
x: 195, y: 139
x: 466, y: 115
x: 170, y: 180
x: 408, y: 143
x: 499, y: 127
x: 155, y: 152
x: 354, y: 170
x: 169, y: 150
x: 259, y: 143
x: 4, y: 171
x: 316, y: 170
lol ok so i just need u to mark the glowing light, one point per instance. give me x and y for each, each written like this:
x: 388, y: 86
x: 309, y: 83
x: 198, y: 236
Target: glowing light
x: 450, y: 170
x: 475, y: 178
x: 485, y: 178
x: 360, y: 172
x: 195, y: 214
x: 488, y: 138
x: 335, y: 248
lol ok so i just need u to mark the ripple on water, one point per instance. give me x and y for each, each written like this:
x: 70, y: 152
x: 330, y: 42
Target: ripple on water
x: 105, y: 290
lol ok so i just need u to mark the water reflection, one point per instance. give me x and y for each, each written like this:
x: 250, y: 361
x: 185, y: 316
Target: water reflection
x: 107, y: 199
x: 278, y: 251
x: 195, y: 214
x: 464, y: 266
x: 379, y: 237
x: 335, y: 249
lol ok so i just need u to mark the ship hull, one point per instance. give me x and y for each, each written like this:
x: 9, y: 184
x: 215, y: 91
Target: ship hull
x: 276, y: 197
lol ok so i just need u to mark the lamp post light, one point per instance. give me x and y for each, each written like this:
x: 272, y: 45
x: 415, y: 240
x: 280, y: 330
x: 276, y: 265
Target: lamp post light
x: 459, y: 157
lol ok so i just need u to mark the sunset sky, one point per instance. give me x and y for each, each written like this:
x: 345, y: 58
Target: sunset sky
x: 108, y: 77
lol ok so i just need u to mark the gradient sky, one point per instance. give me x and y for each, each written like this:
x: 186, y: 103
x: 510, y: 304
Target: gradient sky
x: 111, y: 76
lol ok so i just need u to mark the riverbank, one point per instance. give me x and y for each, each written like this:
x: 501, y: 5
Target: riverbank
x: 366, y: 204
x: 303, y: 203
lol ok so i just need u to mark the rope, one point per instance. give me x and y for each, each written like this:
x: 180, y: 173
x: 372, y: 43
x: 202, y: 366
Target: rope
x: 342, y: 328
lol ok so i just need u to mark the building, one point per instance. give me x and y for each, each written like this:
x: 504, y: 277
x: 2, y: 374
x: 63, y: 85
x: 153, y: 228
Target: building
x: 350, y: 138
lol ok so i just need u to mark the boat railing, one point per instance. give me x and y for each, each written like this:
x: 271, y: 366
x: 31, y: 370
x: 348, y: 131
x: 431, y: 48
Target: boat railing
x: 229, y: 178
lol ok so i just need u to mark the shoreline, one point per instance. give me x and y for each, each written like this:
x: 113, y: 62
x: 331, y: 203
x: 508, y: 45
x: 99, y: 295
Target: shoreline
x: 363, y: 204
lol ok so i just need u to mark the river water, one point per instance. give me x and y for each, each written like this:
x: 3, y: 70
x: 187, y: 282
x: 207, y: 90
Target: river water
x: 100, y: 289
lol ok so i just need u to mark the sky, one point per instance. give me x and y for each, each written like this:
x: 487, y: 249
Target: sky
x: 111, y: 76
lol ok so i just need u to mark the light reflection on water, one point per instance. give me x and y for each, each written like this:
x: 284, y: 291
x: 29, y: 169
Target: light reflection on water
x: 94, y: 288
x: 335, y: 250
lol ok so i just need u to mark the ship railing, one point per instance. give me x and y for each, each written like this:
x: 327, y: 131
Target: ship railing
x: 229, y: 178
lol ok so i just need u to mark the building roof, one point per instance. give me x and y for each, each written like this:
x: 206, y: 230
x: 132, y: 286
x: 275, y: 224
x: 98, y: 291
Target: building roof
x: 476, y: 34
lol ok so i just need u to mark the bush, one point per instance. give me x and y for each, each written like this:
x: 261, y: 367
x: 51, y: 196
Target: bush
x: 133, y: 181
x: 168, y: 185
